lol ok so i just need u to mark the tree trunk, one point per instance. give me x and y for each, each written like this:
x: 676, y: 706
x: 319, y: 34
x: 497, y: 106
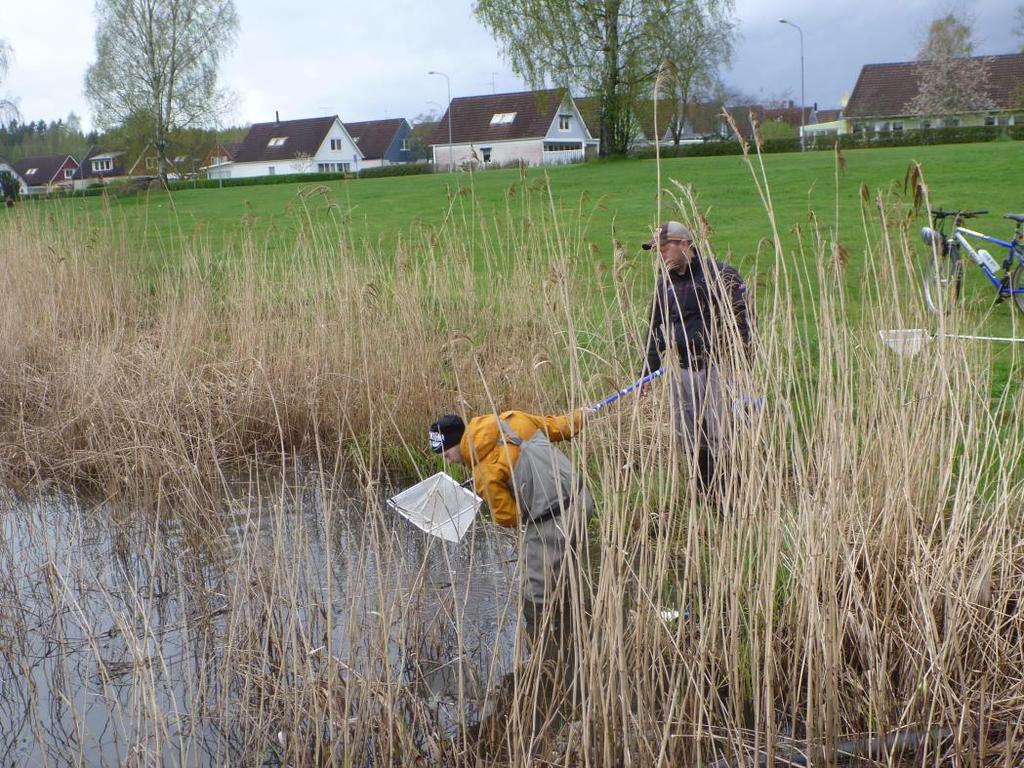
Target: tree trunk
x: 610, y: 80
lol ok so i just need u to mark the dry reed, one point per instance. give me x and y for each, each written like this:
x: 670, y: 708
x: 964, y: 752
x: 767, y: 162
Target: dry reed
x: 858, y: 588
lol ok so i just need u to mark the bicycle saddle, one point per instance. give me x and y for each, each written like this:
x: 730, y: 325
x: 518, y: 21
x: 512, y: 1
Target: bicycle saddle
x: 1018, y: 217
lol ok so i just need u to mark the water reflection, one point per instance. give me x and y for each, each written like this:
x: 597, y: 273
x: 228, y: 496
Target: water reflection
x: 287, y: 620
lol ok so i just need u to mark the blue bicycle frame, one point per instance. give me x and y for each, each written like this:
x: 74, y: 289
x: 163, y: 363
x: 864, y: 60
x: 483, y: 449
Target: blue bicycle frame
x: 989, y: 266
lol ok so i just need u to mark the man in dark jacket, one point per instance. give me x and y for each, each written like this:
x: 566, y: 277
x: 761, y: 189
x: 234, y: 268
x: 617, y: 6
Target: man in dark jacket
x: 700, y: 310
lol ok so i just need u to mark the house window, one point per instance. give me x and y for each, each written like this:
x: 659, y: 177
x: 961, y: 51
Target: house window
x: 335, y: 144
x: 882, y: 127
x: 1018, y: 119
x: 151, y: 163
x: 105, y: 164
x: 277, y: 141
x: 990, y: 119
x: 69, y: 173
x: 271, y: 170
x: 926, y: 124
x: 503, y: 118
x: 951, y: 122
x: 31, y: 171
x: 485, y: 154
x: 563, y: 122
x: 1003, y: 120
x: 405, y: 145
x: 897, y: 127
x: 332, y: 167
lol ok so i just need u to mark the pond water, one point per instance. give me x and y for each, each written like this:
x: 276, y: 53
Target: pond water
x: 156, y: 637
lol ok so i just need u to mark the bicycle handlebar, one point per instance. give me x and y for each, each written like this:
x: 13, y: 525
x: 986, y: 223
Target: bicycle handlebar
x: 940, y: 214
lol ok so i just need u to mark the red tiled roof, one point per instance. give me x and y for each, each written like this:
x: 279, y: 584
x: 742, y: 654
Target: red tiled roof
x: 302, y: 137
x: 471, y: 117
x: 373, y: 137
x: 829, y: 115
x: 885, y: 90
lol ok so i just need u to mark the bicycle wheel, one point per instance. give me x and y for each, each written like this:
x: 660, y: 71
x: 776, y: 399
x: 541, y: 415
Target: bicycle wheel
x: 942, y: 275
x: 1017, y: 284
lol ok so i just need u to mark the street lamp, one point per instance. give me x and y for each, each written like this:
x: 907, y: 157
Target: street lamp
x: 795, y: 26
x: 448, y: 81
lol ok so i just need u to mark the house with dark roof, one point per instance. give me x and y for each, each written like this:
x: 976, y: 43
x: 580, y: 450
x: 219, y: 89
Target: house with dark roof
x: 99, y: 166
x: 178, y: 165
x: 532, y: 127
x: 46, y: 173
x: 220, y: 153
x: 382, y: 142
x: 310, y: 145
x: 883, y: 96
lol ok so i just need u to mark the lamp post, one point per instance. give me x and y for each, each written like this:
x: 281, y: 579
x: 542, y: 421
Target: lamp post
x: 448, y: 81
x: 797, y: 28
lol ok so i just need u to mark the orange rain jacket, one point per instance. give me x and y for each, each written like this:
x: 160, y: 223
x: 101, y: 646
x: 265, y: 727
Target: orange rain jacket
x: 492, y: 460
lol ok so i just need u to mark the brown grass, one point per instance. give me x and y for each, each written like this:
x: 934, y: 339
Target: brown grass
x: 863, y: 580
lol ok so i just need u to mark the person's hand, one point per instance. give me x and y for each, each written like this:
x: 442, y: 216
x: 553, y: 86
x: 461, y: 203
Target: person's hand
x: 586, y: 412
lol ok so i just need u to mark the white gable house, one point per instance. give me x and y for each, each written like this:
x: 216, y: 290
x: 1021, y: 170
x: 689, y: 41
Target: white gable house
x: 312, y: 145
x: 534, y: 127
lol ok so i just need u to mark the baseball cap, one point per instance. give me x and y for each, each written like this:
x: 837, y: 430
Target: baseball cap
x: 446, y: 432
x: 670, y: 230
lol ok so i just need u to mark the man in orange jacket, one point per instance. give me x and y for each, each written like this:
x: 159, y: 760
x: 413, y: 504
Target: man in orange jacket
x: 526, y: 481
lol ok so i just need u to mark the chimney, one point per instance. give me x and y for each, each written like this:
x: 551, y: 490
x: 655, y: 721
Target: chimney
x: 277, y: 117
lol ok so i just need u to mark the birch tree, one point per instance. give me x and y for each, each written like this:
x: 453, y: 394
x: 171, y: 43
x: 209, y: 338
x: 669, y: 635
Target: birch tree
x: 157, y: 60
x: 8, y: 109
x: 950, y: 81
x: 696, y: 50
x: 611, y: 49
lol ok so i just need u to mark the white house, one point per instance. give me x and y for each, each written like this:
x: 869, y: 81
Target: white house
x: 535, y: 127
x: 311, y: 145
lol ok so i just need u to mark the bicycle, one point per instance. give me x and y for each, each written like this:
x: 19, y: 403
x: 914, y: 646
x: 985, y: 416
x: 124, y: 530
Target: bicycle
x: 943, y: 272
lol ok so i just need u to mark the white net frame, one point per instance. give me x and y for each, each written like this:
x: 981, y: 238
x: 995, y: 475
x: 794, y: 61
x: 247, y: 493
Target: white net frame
x: 439, y: 506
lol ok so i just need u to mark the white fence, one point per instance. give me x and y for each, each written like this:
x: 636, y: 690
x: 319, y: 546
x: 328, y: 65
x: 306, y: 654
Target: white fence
x: 563, y: 156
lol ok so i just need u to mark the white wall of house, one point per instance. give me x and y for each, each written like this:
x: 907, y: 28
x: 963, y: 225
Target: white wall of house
x: 567, y: 125
x: 834, y: 127
x: 531, y: 151
x: 337, y: 150
x: 913, y: 123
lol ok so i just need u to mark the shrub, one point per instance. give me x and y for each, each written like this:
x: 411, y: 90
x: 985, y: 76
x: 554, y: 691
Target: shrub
x: 284, y: 178
x: 8, y: 186
x: 404, y: 169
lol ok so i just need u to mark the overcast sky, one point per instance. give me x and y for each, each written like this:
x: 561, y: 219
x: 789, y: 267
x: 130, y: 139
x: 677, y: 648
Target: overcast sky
x: 367, y: 60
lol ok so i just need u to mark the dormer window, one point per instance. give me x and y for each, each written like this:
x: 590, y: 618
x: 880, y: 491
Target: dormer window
x: 277, y: 141
x: 503, y: 118
x: 563, y: 122
x: 105, y: 164
x: 31, y: 171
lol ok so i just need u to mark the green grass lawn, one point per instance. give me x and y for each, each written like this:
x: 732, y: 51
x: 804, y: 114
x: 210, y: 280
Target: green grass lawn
x: 616, y: 197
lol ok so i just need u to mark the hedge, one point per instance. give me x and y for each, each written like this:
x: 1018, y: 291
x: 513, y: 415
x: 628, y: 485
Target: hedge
x: 249, y: 181
x: 404, y: 169
x: 961, y: 135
